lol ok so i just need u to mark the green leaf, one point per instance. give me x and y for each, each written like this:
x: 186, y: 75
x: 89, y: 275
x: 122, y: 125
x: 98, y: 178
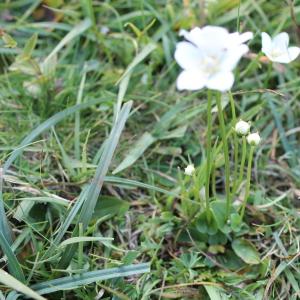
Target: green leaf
x: 179, y: 132
x: 71, y: 282
x: 8, y: 40
x: 77, y: 30
x: 246, y: 251
x: 218, y: 208
x: 203, y: 226
x: 95, y: 187
x: 140, y: 57
x: 136, y: 151
x: 29, y: 46
x: 15, y: 284
x: 235, y: 222
x: 215, y: 293
x: 13, y: 265
x: 110, y: 206
x: 4, y: 227
x: 134, y: 183
x: 81, y: 239
x: 64, y: 227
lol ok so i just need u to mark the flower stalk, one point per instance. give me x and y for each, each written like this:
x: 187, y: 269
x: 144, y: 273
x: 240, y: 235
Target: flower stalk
x: 248, y: 182
x: 226, y: 154
x: 208, y: 153
x: 235, y: 144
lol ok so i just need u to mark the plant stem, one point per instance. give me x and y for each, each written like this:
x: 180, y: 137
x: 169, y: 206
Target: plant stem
x: 236, y: 146
x: 226, y: 154
x: 208, y: 153
x: 248, y: 183
x: 244, y: 150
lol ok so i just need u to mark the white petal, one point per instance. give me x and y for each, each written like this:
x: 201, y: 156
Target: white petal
x: 193, y: 35
x: 190, y: 80
x: 209, y: 38
x: 213, y: 38
x: 290, y: 55
x: 233, y: 56
x: 187, y: 55
x: 266, y: 43
x: 246, y: 36
x: 183, y: 32
x: 222, y: 81
x: 281, y: 41
x: 236, y: 39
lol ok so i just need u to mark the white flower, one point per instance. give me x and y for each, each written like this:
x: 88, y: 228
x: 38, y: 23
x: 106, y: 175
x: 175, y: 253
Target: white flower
x: 253, y: 139
x: 242, y: 127
x: 189, y: 170
x: 277, y: 49
x: 208, y: 57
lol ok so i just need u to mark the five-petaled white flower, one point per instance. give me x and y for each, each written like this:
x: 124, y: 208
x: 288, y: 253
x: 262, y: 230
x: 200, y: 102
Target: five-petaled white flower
x: 242, y: 127
x: 277, y: 49
x: 189, y: 170
x: 208, y: 57
x: 253, y: 139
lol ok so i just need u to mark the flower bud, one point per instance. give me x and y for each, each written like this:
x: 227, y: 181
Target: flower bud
x: 253, y: 139
x: 189, y: 170
x: 242, y: 127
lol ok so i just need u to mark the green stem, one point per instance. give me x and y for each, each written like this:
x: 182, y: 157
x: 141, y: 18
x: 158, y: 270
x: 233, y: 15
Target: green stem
x: 80, y: 248
x: 236, y: 146
x: 244, y: 150
x: 248, y: 182
x: 213, y: 180
x: 208, y: 153
x: 226, y: 154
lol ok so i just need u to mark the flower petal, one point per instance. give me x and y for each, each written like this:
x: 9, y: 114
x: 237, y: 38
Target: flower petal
x: 192, y: 36
x: 187, y: 55
x: 266, y: 43
x: 281, y: 41
x: 246, y: 36
x: 222, y: 81
x: 236, y: 39
x: 290, y: 55
x: 209, y: 38
x: 233, y: 56
x: 190, y: 80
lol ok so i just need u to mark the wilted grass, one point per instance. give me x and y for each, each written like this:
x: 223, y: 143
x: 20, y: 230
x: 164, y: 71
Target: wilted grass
x: 60, y: 144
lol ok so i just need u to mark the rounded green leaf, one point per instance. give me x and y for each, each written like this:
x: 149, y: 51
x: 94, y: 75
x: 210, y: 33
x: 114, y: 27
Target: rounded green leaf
x: 246, y: 251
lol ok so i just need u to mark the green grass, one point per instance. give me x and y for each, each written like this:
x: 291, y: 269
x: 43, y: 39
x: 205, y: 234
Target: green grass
x: 94, y: 197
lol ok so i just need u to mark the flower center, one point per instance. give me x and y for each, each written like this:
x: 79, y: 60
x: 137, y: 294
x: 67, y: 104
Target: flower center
x: 276, y: 52
x: 210, y: 64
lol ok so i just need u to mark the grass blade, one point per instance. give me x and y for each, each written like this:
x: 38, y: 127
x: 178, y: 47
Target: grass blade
x: 15, y: 284
x: 13, y: 264
x: 45, y: 126
x: 71, y: 282
x: 130, y: 182
x: 77, y: 30
x: 96, y: 185
x: 63, y: 229
x: 140, y: 57
x: 4, y: 226
x: 81, y: 239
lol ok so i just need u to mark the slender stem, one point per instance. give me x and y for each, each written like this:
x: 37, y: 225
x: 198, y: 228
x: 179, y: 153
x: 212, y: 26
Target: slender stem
x: 244, y: 150
x: 236, y: 145
x: 226, y: 154
x: 248, y: 183
x: 213, y: 180
x: 238, y: 18
x: 80, y: 248
x: 208, y: 153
